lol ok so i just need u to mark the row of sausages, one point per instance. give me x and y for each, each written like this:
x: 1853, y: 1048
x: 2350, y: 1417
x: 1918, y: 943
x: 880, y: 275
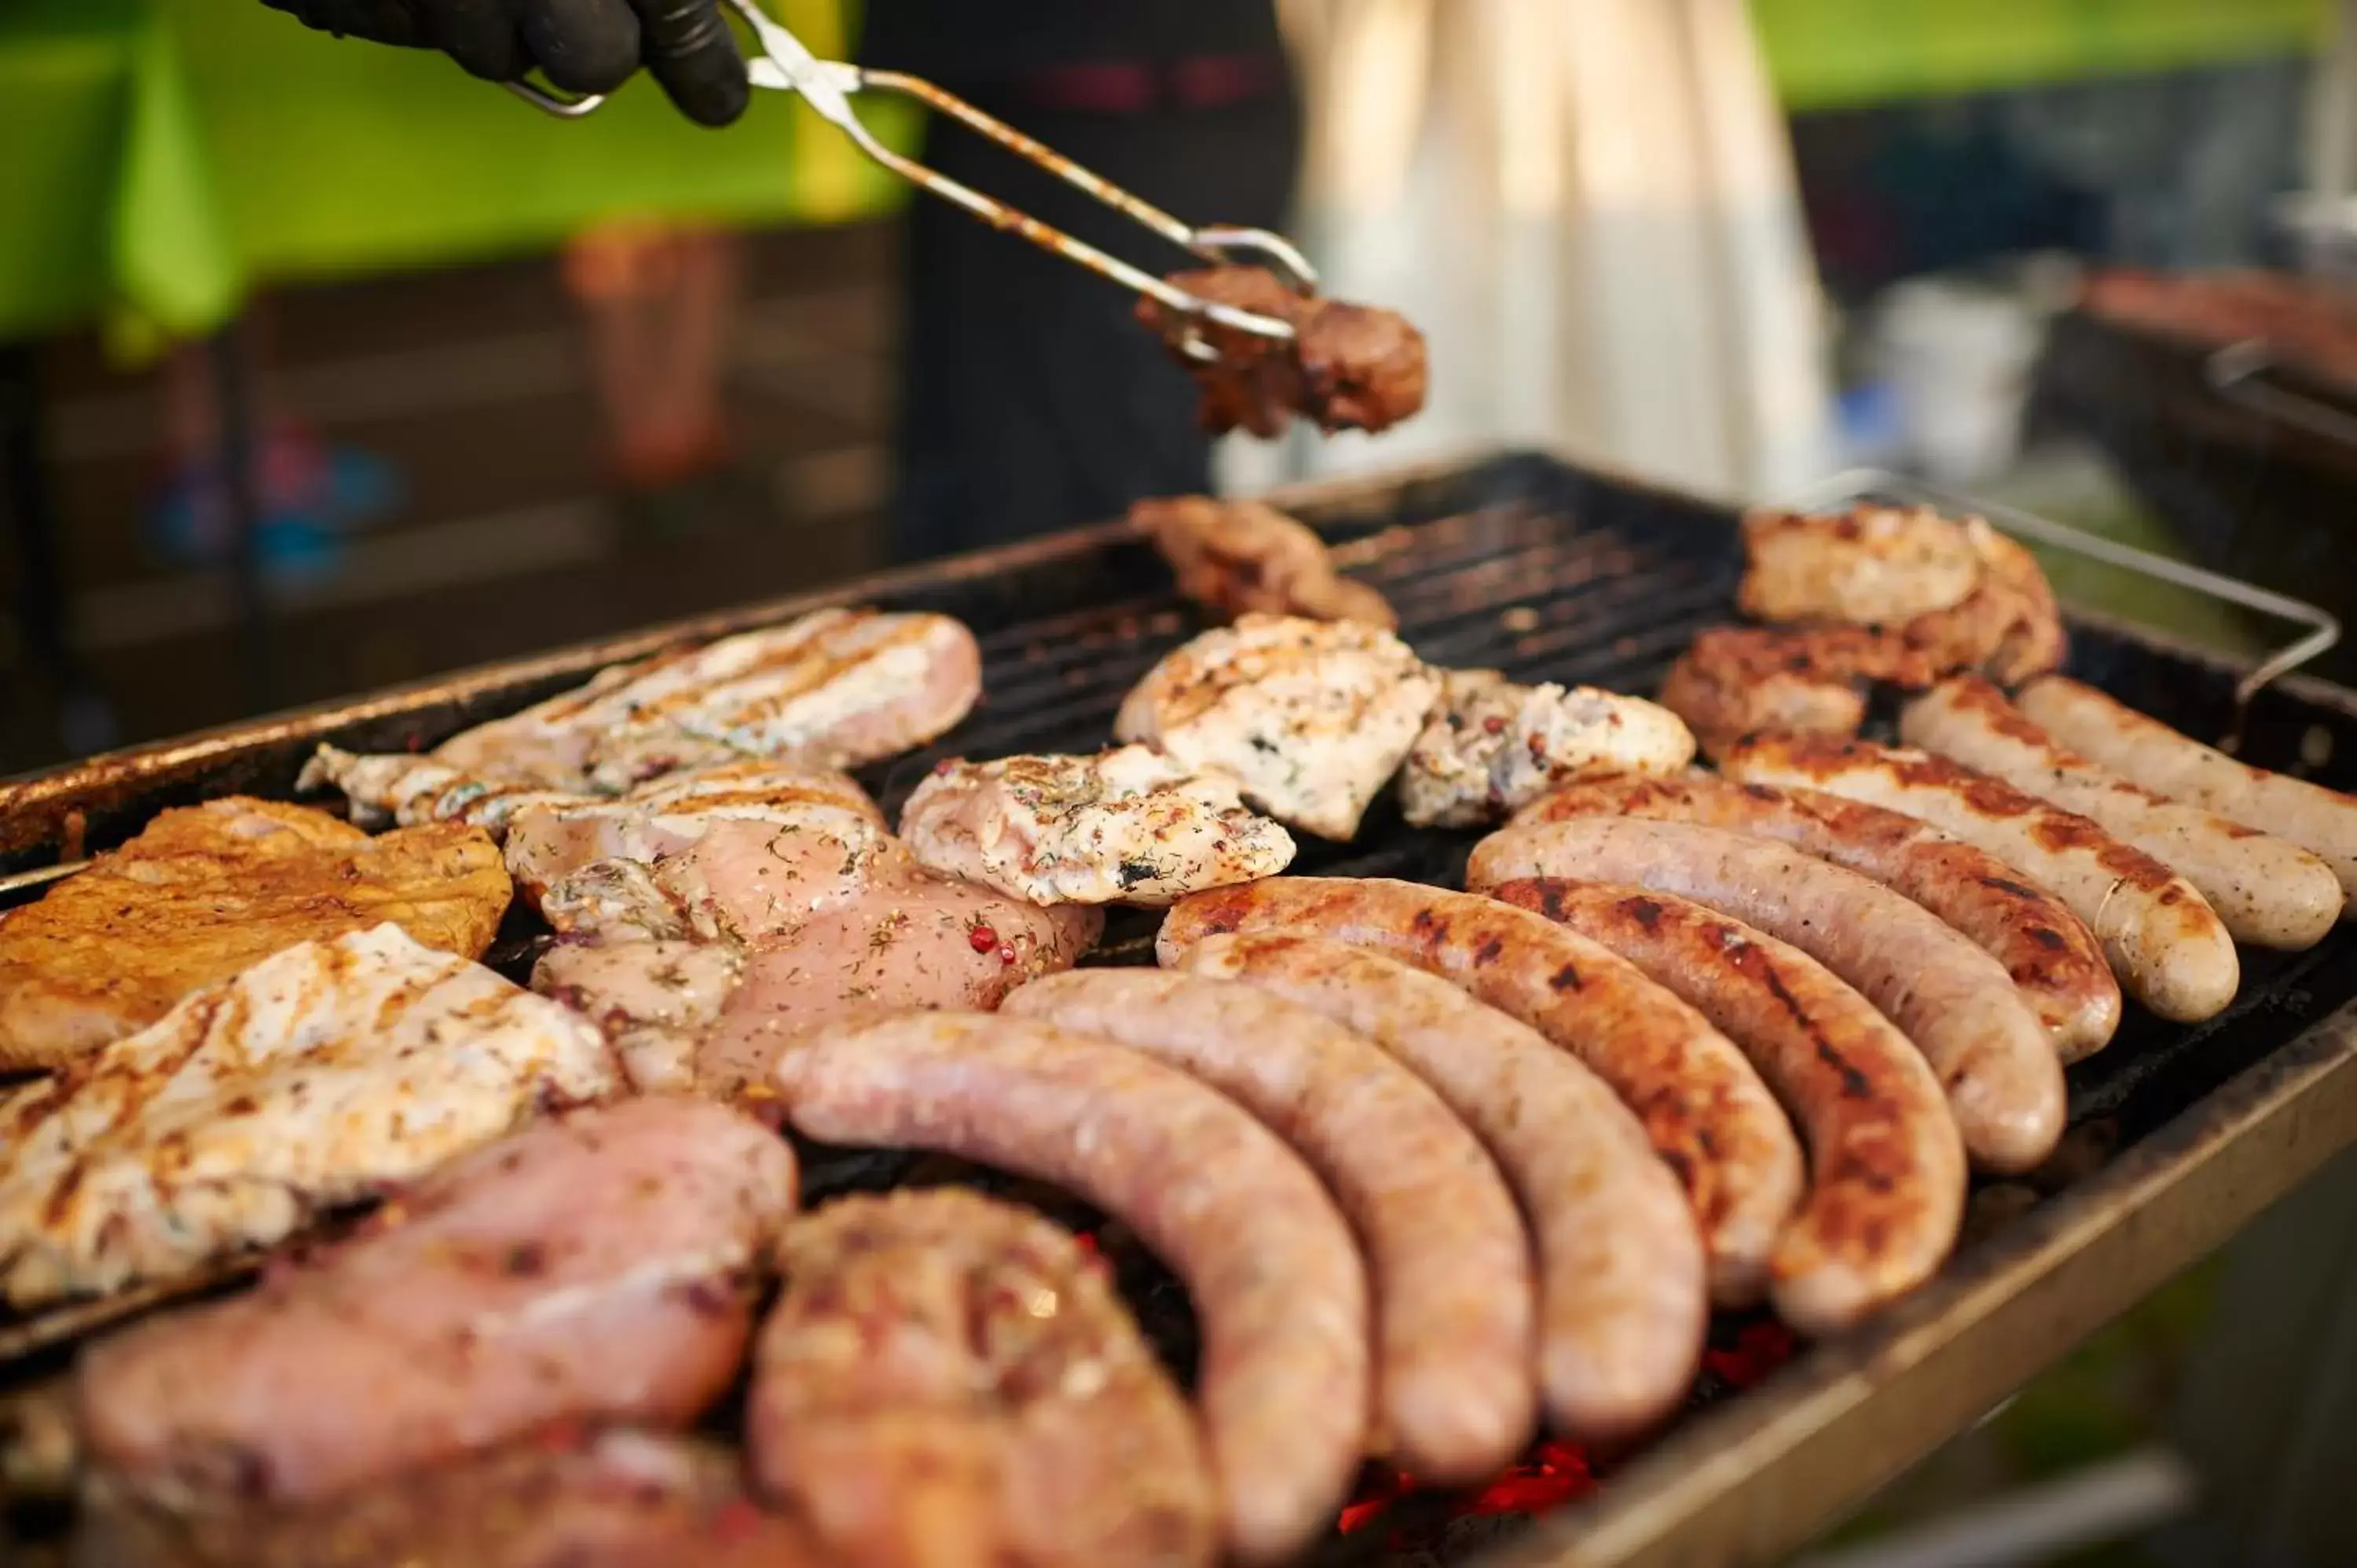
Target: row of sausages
x: 1483, y: 1156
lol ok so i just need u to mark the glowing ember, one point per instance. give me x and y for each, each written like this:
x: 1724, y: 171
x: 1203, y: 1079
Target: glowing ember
x: 1554, y: 1473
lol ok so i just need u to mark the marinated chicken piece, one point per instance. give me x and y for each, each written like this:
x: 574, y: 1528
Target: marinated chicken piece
x: 916, y: 941
x: 1311, y: 717
x: 2009, y: 629
x: 1493, y: 746
x: 1347, y: 367
x: 1872, y: 566
x: 1739, y: 681
x: 566, y: 1499
x: 1813, y: 679
x: 948, y: 1379
x: 208, y: 890
x: 394, y: 787
x: 313, y: 1078
x: 701, y: 963
x: 655, y: 998
x: 596, y: 1267
x: 550, y: 840
x: 1125, y: 826
x: 834, y: 689
x: 1238, y: 556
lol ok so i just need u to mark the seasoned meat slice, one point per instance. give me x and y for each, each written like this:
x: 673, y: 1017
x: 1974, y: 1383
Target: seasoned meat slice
x: 567, y: 1498
x: 700, y: 963
x: 1872, y: 566
x: 208, y: 890
x: 313, y: 1078
x: 1493, y: 746
x: 1311, y: 717
x: 2007, y: 629
x: 1237, y: 557
x: 834, y: 689
x: 1125, y: 826
x: 916, y: 941
x: 593, y: 1267
x: 948, y: 1377
x: 1738, y: 680
x: 548, y: 841
x: 1347, y: 367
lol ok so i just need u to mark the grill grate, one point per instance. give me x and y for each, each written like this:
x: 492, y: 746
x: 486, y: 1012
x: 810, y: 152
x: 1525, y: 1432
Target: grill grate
x: 1518, y: 563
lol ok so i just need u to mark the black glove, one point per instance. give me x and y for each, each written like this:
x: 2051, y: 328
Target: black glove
x: 581, y: 46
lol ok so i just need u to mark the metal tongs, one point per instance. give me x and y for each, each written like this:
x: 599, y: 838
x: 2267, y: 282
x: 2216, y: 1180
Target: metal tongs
x: 785, y: 65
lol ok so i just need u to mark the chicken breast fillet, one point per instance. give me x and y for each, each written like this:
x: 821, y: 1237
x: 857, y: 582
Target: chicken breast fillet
x: 1233, y: 557
x: 837, y: 688
x: 596, y: 1267
x: 1312, y: 718
x: 1871, y: 565
x: 551, y: 840
x: 1125, y: 826
x: 206, y: 890
x: 1493, y: 746
x: 313, y: 1078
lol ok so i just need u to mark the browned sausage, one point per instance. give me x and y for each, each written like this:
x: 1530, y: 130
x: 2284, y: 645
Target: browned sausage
x: 2164, y: 941
x: 1954, y: 1001
x: 2270, y: 892
x: 1444, y: 1247
x: 1886, y: 1177
x: 948, y: 1379
x: 1706, y: 1111
x: 2147, y: 752
x: 1622, y: 1297
x: 1269, y: 1263
x: 2054, y: 959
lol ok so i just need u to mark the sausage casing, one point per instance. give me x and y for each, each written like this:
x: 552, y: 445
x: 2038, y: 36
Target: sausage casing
x: 2054, y: 959
x: 1445, y: 1247
x: 2271, y: 893
x: 1704, y: 1107
x: 2169, y: 947
x: 1623, y: 1299
x: 1269, y: 1263
x: 2001, y: 1077
x: 1886, y: 1168
x: 2145, y: 751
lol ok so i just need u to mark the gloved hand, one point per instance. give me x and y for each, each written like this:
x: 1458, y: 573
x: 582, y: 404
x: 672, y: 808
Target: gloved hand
x: 581, y: 46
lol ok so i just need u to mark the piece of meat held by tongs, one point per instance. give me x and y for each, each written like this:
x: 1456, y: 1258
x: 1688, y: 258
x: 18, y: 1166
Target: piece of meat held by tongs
x: 1249, y: 326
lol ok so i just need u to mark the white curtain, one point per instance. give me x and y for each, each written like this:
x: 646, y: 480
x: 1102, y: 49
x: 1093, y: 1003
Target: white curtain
x: 1589, y: 207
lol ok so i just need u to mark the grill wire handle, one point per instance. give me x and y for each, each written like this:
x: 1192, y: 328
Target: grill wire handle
x: 1855, y: 485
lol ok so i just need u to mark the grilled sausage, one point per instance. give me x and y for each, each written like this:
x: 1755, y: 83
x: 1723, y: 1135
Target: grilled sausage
x: 2145, y: 751
x: 1887, y: 1169
x: 948, y: 1379
x: 1622, y: 1300
x: 2054, y: 959
x: 2270, y: 893
x: 2001, y: 1077
x: 1276, y: 1282
x: 1706, y: 1111
x: 2164, y: 941
x: 1444, y: 1247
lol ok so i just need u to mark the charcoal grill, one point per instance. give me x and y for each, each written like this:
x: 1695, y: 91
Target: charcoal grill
x: 1520, y: 563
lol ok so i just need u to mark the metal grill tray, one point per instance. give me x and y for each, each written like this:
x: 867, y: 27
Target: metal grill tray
x: 1523, y: 564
